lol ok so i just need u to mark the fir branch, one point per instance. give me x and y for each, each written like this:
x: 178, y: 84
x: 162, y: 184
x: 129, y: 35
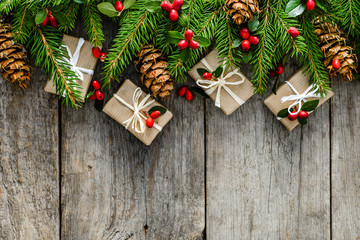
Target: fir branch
x: 348, y: 13
x: 71, y: 15
x: 92, y: 22
x: 46, y: 47
x: 6, y: 6
x: 23, y: 23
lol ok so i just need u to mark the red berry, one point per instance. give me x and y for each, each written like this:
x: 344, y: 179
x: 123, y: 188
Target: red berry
x: 96, y: 52
x: 194, y: 44
x: 207, y: 76
x: 99, y: 95
x: 310, y: 5
x: 303, y: 114
x: 53, y: 21
x: 165, y: 5
x: 46, y: 21
x: 149, y: 122
x: 103, y: 56
x: 119, y: 6
x: 254, y: 40
x: 183, y: 44
x: 189, y: 35
x: 155, y: 114
x: 245, y: 45
x: 173, y: 16
x: 182, y: 91
x: 92, y: 97
x: 279, y: 70
x: 293, y: 32
x: 272, y: 73
x: 189, y: 95
x: 244, y: 33
x: 96, y: 85
x: 177, y: 4
x: 292, y: 116
x: 336, y: 63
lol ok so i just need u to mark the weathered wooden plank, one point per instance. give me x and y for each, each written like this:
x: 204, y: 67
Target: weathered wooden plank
x: 174, y: 175
x: 29, y: 162
x: 262, y: 181
x: 345, y: 173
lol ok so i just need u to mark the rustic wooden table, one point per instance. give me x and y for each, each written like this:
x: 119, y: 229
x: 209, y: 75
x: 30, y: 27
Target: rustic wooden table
x: 77, y: 174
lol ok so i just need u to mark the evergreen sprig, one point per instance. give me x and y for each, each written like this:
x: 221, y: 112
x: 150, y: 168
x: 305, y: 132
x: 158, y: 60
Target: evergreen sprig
x: 92, y: 23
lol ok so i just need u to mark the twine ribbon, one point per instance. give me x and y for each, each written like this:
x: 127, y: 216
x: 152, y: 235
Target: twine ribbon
x: 137, y: 119
x: 299, y: 98
x: 73, y: 60
x: 219, y: 83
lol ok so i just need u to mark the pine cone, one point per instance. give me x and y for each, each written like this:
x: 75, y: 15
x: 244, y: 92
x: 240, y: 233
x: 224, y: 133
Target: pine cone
x: 152, y: 65
x: 333, y: 43
x: 13, y: 58
x: 242, y: 10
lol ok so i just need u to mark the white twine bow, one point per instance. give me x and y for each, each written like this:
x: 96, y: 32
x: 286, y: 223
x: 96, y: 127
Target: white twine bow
x: 299, y: 98
x: 137, y: 118
x: 73, y: 59
x: 221, y: 82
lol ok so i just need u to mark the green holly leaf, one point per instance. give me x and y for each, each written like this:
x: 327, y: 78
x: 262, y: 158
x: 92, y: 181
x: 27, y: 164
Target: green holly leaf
x: 283, y: 113
x: 90, y: 93
x: 310, y: 105
x: 174, y: 37
x: 183, y: 20
x: 236, y: 43
x: 129, y: 3
x: 161, y: 109
x: 303, y: 121
x: 40, y: 16
x: 247, y: 56
x: 217, y: 73
x: 275, y: 87
x: 154, y: 7
x: 201, y: 71
x: 107, y: 9
x: 295, y: 8
x: 199, y: 91
x: 203, y: 41
x: 253, y: 25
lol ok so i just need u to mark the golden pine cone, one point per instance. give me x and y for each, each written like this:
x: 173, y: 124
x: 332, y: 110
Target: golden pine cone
x: 242, y: 11
x: 333, y: 43
x: 152, y: 66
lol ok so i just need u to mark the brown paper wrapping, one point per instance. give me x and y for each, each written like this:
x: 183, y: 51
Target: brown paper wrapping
x: 118, y: 111
x: 300, y: 83
x: 86, y: 60
x: 244, y: 90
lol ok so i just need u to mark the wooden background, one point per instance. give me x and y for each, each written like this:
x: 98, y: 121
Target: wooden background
x: 77, y: 174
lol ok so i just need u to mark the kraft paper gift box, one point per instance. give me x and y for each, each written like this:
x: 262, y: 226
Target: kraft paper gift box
x: 236, y: 90
x: 123, y: 114
x: 300, y: 83
x: 86, y: 61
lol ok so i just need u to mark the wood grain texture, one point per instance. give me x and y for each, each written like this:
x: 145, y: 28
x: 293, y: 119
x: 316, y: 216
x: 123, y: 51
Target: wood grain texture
x: 262, y: 181
x: 29, y: 162
x: 345, y: 161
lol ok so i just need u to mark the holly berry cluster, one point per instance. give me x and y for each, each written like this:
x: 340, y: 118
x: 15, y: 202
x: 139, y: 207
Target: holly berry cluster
x: 153, y: 114
x: 184, y: 90
x: 97, y: 94
x: 188, y: 41
x: 50, y: 19
x: 310, y: 5
x: 247, y: 39
x: 278, y: 71
x: 301, y: 115
x: 99, y: 54
x: 172, y: 8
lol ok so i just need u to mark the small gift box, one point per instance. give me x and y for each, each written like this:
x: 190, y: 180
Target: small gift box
x: 127, y: 107
x: 295, y: 99
x: 81, y: 60
x: 229, y: 88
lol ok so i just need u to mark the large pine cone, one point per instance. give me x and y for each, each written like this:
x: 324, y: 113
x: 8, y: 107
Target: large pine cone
x: 154, y: 75
x: 242, y: 10
x: 13, y: 58
x: 333, y: 43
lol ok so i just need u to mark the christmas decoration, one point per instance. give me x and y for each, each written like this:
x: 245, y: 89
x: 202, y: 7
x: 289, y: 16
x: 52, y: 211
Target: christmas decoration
x: 182, y: 90
x: 244, y: 33
x: 127, y: 107
x: 228, y: 88
x: 99, y: 95
x: 207, y: 76
x: 189, y: 95
x: 95, y: 84
x: 245, y: 45
x: 293, y: 32
x: 152, y: 66
x: 14, y: 64
x: 310, y: 5
x: 242, y: 10
x: 119, y: 6
x: 149, y: 122
x: 96, y: 52
x: 165, y: 5
x: 254, y: 40
x: 293, y: 97
x: 333, y: 43
x: 81, y: 61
